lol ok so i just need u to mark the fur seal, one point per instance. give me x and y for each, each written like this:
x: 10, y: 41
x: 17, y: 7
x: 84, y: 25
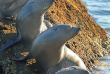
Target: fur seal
x: 72, y: 70
x: 30, y: 21
x: 50, y: 51
x: 11, y: 8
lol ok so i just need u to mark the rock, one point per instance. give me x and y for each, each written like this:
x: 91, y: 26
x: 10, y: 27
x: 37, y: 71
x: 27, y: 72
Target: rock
x: 1, y: 70
x: 87, y: 44
x: 108, y: 47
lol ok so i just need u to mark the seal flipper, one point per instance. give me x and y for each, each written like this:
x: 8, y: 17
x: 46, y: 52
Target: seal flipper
x: 23, y: 59
x: 11, y: 42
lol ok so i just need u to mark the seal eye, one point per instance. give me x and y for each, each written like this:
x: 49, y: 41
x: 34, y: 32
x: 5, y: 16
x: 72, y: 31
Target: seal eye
x: 55, y: 29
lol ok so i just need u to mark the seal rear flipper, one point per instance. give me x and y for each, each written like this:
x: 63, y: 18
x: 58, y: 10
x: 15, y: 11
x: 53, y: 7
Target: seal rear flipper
x: 23, y: 59
x: 11, y: 42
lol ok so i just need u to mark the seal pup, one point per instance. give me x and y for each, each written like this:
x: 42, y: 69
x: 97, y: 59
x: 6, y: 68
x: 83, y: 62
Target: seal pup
x: 30, y: 21
x: 11, y: 8
x: 73, y: 70
x: 50, y: 51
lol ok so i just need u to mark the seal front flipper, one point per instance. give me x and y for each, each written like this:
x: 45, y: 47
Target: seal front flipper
x: 23, y: 59
x: 11, y: 42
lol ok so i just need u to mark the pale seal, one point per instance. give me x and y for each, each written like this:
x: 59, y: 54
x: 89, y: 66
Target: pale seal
x: 50, y: 51
x: 30, y: 21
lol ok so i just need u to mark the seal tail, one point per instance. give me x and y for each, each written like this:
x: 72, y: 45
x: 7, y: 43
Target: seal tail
x: 23, y: 59
x: 11, y: 42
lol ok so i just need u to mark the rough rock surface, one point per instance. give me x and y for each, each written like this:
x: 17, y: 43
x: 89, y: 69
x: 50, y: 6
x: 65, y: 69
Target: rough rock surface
x: 88, y: 44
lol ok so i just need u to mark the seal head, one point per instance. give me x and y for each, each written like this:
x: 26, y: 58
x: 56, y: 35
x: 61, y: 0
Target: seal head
x: 61, y: 33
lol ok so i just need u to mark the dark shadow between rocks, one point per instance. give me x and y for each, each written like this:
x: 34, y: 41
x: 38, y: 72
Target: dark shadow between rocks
x: 1, y: 70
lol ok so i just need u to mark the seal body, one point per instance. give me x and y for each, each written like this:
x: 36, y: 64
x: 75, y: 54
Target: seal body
x: 50, y: 51
x: 30, y: 20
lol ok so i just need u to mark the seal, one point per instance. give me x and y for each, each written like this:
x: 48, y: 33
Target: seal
x: 50, y: 51
x: 73, y: 70
x: 10, y: 8
x: 5, y: 1
x: 30, y: 21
